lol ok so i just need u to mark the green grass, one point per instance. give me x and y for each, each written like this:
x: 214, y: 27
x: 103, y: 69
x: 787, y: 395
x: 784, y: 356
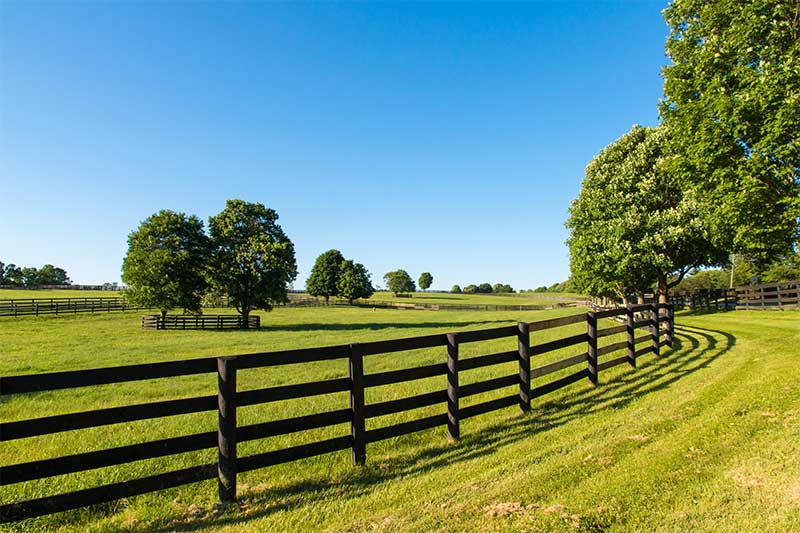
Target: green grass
x: 539, y: 298
x: 707, y: 438
x: 26, y: 294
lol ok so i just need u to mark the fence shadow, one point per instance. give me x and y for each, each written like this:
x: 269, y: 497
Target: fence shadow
x: 694, y: 349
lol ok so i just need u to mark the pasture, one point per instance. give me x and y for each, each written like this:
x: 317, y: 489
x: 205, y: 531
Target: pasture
x: 705, y: 438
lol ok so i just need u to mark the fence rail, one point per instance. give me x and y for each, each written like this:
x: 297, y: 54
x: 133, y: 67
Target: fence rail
x: 763, y: 296
x: 55, y: 306
x: 229, y: 398
x: 200, y: 322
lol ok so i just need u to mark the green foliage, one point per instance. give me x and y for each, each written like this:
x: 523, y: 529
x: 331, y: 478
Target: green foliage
x: 254, y: 260
x: 502, y: 288
x: 631, y: 225
x: 471, y: 289
x: 455, y: 289
x: 324, y: 278
x: 484, y: 288
x: 354, y: 281
x: 732, y: 100
x: 31, y: 276
x: 398, y: 282
x: 425, y: 280
x: 166, y: 262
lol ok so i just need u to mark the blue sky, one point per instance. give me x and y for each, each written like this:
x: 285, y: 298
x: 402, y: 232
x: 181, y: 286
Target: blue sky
x: 442, y: 137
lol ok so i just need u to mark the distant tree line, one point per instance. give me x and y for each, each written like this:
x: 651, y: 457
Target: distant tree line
x: 483, y: 288
x: 11, y: 274
x: 246, y: 257
x: 745, y: 272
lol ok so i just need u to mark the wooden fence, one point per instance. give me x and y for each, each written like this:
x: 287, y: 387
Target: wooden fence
x: 527, y: 381
x: 55, y: 306
x: 780, y: 296
x: 200, y: 322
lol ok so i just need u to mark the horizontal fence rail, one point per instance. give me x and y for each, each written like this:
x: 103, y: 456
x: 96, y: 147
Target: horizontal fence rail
x: 527, y: 383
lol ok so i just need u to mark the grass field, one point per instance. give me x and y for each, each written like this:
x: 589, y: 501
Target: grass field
x: 538, y: 298
x: 706, y: 438
x: 19, y: 294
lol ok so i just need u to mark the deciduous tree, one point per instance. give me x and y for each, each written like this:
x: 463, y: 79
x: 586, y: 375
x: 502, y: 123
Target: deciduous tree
x: 425, y: 280
x: 324, y: 278
x: 398, y: 281
x: 354, y: 281
x: 732, y: 100
x: 165, y: 267
x: 253, y: 259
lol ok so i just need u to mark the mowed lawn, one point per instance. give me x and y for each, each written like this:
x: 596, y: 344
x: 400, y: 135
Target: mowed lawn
x: 706, y: 438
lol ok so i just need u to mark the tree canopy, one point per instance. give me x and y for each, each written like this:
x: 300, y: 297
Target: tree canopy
x: 253, y: 260
x: 398, y: 281
x: 631, y: 224
x: 165, y: 267
x: 11, y: 274
x: 732, y: 101
x: 425, y: 280
x: 354, y: 281
x: 455, y: 289
x: 324, y: 278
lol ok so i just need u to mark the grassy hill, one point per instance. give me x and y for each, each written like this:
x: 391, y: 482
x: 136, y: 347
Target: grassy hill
x: 706, y: 438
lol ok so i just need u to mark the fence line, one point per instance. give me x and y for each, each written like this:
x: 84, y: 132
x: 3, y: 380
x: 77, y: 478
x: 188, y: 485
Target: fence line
x: 781, y: 295
x: 200, y: 322
x: 228, y: 398
x: 55, y: 306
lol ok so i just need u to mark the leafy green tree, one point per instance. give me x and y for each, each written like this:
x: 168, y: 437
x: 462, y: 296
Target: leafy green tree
x: 398, y: 281
x: 455, y: 289
x: 354, y: 281
x: 632, y: 225
x: 166, y: 262
x: 471, y: 289
x: 484, y: 288
x: 52, y: 275
x: 253, y: 259
x: 732, y: 100
x: 425, y: 281
x: 13, y: 275
x: 324, y: 278
x: 502, y: 288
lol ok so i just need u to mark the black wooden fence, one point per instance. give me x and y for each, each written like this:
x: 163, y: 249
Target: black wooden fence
x: 783, y: 295
x: 200, y: 322
x: 527, y: 381
x: 55, y: 306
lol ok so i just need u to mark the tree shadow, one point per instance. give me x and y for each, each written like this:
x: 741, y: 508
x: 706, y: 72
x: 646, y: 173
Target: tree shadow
x: 694, y: 349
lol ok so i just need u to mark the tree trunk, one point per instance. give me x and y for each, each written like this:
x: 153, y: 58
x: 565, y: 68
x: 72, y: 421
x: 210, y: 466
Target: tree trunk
x: 639, y: 297
x: 163, y: 314
x: 662, y: 289
x: 246, y: 317
x: 327, y: 297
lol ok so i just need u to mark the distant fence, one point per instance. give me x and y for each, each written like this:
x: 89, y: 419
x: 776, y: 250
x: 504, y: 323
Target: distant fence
x: 64, y: 287
x: 55, y: 306
x: 229, y: 398
x: 781, y: 295
x: 200, y: 322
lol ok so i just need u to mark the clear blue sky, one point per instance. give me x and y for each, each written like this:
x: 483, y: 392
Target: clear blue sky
x: 442, y: 137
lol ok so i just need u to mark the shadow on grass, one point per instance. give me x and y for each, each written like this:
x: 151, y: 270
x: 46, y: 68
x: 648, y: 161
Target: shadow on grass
x: 694, y: 349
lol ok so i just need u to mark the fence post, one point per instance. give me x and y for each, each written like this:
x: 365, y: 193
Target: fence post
x: 357, y: 425
x: 226, y: 434
x: 671, y: 322
x: 631, y: 333
x: 591, y: 332
x: 654, y: 329
x: 453, y: 416
x: 524, y: 343
x: 668, y: 324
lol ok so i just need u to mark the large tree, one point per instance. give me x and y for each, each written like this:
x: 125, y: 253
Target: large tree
x: 324, y: 277
x: 253, y: 259
x: 632, y: 225
x: 52, y: 275
x: 165, y: 267
x: 732, y: 100
x: 354, y: 281
x: 425, y: 280
x: 398, y: 281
